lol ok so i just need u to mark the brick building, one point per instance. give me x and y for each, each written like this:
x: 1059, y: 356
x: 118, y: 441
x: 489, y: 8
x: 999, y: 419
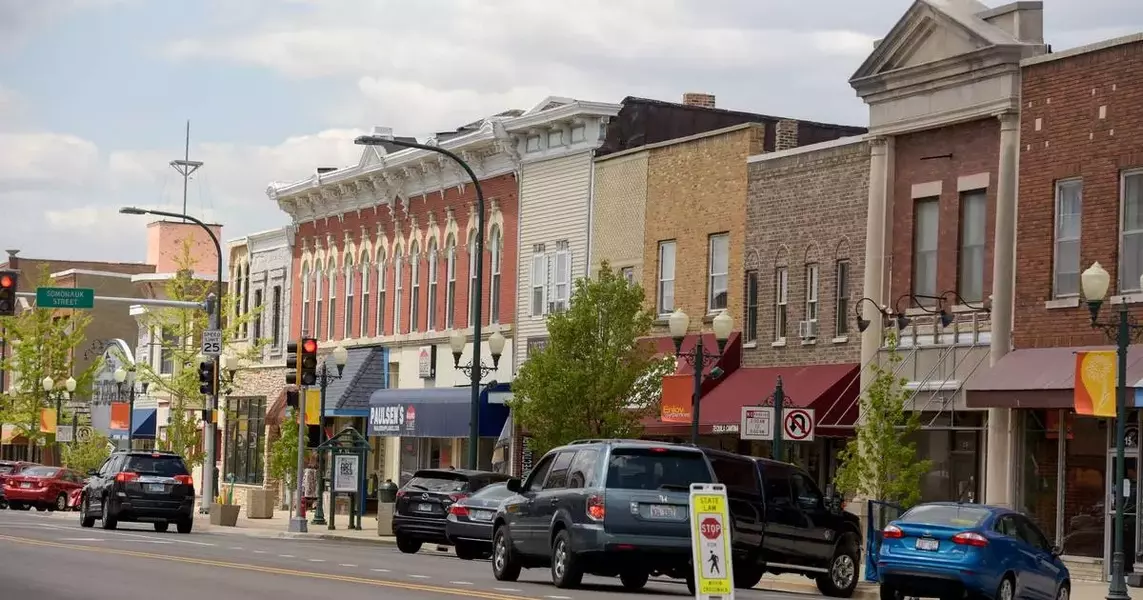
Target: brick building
x: 1081, y: 187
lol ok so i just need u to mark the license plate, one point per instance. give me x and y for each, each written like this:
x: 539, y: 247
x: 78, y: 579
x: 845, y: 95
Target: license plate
x: 481, y: 515
x: 424, y: 508
x: 928, y: 544
x: 662, y: 511
x: 156, y: 488
x: 26, y: 484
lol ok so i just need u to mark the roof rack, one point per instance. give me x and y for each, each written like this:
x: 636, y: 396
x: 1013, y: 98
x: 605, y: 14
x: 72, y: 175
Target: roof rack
x: 605, y: 440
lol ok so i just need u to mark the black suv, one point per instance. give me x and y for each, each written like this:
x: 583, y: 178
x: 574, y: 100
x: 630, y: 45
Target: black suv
x: 782, y: 523
x: 139, y: 487
x: 423, y: 505
x: 604, y: 507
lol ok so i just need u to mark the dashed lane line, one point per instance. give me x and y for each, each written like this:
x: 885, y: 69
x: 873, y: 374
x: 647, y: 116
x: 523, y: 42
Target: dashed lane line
x: 461, y: 582
x: 317, y: 560
x: 285, y: 556
x: 508, y: 589
x: 419, y: 576
x: 348, y: 566
x: 380, y: 570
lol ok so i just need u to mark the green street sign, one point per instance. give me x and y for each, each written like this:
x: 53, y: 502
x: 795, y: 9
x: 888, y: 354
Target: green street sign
x: 50, y: 297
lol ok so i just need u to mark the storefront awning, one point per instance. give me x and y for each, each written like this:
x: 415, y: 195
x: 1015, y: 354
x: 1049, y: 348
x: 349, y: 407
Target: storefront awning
x: 831, y: 390
x: 432, y: 413
x: 143, y: 423
x: 1037, y: 378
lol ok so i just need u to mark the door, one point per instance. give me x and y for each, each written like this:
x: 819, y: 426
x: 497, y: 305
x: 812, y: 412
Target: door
x: 818, y: 533
x: 1018, y: 555
x: 784, y: 519
x: 520, y: 510
x: 547, y: 502
x: 1130, y: 500
x: 1046, y: 567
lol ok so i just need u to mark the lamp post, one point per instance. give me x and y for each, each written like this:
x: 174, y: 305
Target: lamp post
x: 476, y: 371
x: 1095, y: 281
x: 324, y: 377
x: 49, y: 386
x: 385, y: 136
x: 121, y: 377
x: 699, y: 358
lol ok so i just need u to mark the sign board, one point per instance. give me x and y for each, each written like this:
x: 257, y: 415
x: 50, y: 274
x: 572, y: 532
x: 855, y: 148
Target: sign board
x: 212, y: 342
x: 710, y: 542
x: 798, y: 424
x: 757, y: 423
x: 63, y: 434
x: 53, y: 297
x: 427, y: 362
x: 84, y: 433
x: 345, y: 473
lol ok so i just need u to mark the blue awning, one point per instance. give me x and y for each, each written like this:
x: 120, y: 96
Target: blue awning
x: 143, y: 423
x: 432, y: 412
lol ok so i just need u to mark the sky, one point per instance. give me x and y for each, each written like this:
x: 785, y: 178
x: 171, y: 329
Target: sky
x: 95, y: 95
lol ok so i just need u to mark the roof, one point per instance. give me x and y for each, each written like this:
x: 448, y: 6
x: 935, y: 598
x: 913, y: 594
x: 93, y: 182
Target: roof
x: 1080, y: 50
x: 364, y: 373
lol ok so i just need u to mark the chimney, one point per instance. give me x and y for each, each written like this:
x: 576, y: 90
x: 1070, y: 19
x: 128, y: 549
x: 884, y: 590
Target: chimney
x: 1023, y: 19
x: 13, y: 260
x: 698, y: 99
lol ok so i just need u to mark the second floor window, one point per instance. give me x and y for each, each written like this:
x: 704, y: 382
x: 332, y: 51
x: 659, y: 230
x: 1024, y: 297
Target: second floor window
x: 539, y: 282
x: 319, y: 303
x: 925, y: 221
x: 472, y: 258
x: 331, y: 322
x: 812, y: 292
x: 841, y: 311
x: 450, y: 284
x: 306, y: 285
x: 276, y: 317
x: 382, y: 277
x: 973, y: 218
x: 562, y: 284
x: 433, y: 273
x: 349, y: 307
x: 1131, y: 250
x: 750, y: 326
x: 258, y: 316
x: 494, y: 292
x: 666, y: 288
x: 398, y: 282
x: 365, y: 270
x: 719, y: 270
x: 1069, y: 210
x: 415, y: 298
x: 781, y: 300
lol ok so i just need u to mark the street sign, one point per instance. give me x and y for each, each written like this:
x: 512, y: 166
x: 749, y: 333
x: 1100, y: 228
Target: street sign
x: 710, y: 542
x: 757, y: 423
x: 212, y: 342
x: 53, y: 297
x: 63, y: 434
x: 84, y: 433
x: 798, y: 424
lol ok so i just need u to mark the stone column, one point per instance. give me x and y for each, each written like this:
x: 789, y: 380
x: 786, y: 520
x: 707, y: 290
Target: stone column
x: 874, y: 283
x: 1000, y: 473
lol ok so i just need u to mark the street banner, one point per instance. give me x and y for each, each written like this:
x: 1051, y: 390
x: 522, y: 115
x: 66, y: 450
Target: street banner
x: 675, y: 405
x: 47, y: 420
x: 1095, y: 383
x: 313, y: 406
x: 120, y: 416
x: 710, y: 542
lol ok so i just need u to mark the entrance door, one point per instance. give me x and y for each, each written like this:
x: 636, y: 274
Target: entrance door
x: 1131, y: 500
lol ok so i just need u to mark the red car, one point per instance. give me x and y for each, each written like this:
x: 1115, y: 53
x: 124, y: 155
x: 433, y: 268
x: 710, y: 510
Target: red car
x: 10, y: 467
x: 46, y: 488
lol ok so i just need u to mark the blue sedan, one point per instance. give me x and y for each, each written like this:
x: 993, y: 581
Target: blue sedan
x: 948, y: 550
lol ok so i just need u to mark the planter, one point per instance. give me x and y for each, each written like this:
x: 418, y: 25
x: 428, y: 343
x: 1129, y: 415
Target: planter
x: 225, y: 515
x: 260, y: 504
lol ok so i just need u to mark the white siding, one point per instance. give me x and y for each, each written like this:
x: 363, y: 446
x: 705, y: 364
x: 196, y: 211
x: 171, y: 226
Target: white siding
x: 554, y: 202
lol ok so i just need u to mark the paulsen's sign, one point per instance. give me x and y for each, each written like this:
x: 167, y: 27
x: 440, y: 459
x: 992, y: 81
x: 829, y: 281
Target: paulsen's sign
x: 393, y: 420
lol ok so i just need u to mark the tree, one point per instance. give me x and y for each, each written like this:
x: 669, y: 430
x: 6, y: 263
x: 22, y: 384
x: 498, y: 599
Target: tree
x: 87, y: 455
x: 283, y: 463
x: 177, y: 332
x: 881, y: 463
x: 591, y: 379
x: 43, y: 343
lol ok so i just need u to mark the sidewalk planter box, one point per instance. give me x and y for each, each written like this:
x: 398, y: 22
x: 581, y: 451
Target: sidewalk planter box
x: 225, y: 515
x: 260, y: 504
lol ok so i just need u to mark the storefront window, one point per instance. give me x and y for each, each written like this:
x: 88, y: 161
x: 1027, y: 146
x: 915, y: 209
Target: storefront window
x: 952, y: 442
x: 1039, y: 475
x: 245, y: 439
x: 1085, y: 465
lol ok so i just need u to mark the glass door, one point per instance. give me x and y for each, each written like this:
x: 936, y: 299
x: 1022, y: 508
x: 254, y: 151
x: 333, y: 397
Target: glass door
x: 1130, y: 490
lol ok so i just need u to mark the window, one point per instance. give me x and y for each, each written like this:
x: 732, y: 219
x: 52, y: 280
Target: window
x: 719, y: 268
x: 494, y: 293
x: 750, y: 330
x: 349, y: 306
x: 432, y: 325
x: 558, y: 476
x: 781, y: 297
x: 318, y: 314
x: 666, y: 295
x: 1066, y: 267
x: 415, y: 298
x: 365, y: 296
x: 1131, y: 250
x: 450, y: 285
x: 257, y: 315
x: 812, y: 292
x: 578, y: 133
x: 245, y: 439
x: 555, y: 138
x: 245, y: 297
x: 276, y: 317
x: 238, y: 298
x: 331, y: 324
x: 539, y: 281
x: 533, y: 143
x: 306, y: 298
x: 925, y: 247
x: 628, y: 274
x: 970, y: 278
x: 841, y: 309
x: 398, y: 281
x: 382, y: 276
x: 582, y: 472
x: 169, y: 342
x: 562, y: 277
x: 646, y: 469
x: 472, y: 277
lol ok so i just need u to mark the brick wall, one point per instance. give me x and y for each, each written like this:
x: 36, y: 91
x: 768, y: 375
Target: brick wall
x: 1082, y: 116
x: 695, y: 189
x: 619, y: 202
x: 808, y: 207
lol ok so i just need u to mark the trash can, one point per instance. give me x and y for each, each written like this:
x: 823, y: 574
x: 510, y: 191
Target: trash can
x: 386, y: 499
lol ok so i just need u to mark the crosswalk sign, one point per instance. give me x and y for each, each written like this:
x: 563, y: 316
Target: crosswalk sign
x: 710, y: 542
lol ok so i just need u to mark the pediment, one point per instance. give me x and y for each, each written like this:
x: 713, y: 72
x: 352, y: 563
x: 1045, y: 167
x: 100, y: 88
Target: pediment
x: 372, y: 156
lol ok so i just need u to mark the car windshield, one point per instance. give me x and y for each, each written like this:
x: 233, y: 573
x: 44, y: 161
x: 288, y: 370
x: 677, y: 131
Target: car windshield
x: 5, y: 469
x: 946, y: 514
x: 40, y: 471
x: 437, y: 482
x: 656, y: 469
x: 161, y: 465
x: 494, y: 492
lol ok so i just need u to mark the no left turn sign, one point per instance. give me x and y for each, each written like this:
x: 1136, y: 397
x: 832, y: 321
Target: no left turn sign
x: 798, y: 424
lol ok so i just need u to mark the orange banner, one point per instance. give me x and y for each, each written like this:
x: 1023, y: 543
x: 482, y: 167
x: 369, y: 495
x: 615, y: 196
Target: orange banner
x: 313, y: 407
x: 120, y: 416
x: 1095, y: 383
x: 676, y: 399
x: 47, y: 420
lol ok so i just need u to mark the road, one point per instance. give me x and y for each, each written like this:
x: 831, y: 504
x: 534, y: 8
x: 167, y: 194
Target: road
x: 49, y: 557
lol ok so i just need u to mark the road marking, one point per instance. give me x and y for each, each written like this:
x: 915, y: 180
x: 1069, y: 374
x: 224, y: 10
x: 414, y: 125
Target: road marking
x: 419, y: 576
x: 317, y: 560
x: 380, y: 570
x: 347, y: 566
x: 270, y: 570
x: 507, y: 590
x: 149, y: 541
x: 82, y: 539
x: 259, y: 552
x: 285, y: 556
x: 461, y: 582
x: 236, y: 547
x: 559, y: 597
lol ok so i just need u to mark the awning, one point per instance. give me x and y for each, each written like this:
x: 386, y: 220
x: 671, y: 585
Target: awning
x: 831, y: 390
x: 433, y: 413
x: 143, y: 423
x: 1037, y: 378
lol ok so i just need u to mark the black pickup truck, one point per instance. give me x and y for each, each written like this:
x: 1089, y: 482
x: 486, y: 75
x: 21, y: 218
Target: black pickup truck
x: 782, y: 523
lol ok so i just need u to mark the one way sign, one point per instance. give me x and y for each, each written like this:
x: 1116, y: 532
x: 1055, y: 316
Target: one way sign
x: 798, y: 424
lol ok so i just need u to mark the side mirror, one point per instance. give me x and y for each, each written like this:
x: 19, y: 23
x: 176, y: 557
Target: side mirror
x: 513, y: 485
x: 1057, y: 551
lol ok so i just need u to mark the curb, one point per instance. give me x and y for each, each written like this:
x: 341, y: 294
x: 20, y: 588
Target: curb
x: 333, y: 537
x: 864, y: 591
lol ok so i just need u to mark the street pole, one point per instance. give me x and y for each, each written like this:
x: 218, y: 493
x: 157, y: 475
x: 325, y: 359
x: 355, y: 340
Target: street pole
x: 319, y: 512
x: 1117, y: 590
x: 779, y: 401
x: 131, y: 411
x: 298, y: 523
x: 59, y: 419
x: 696, y: 394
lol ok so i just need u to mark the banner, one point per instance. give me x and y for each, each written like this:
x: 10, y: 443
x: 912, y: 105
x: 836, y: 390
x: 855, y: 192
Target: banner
x: 313, y: 407
x: 120, y: 416
x: 1095, y: 383
x: 676, y: 399
x: 47, y: 420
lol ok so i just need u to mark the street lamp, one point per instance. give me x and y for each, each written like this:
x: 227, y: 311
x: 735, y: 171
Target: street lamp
x: 476, y: 371
x: 384, y: 135
x: 49, y: 385
x: 1095, y: 281
x: 698, y: 358
x: 121, y: 376
x: 340, y: 356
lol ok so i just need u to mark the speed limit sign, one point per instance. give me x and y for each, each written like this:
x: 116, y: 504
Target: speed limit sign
x: 212, y: 342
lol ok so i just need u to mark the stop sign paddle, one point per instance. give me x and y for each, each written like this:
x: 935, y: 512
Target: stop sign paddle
x: 710, y: 528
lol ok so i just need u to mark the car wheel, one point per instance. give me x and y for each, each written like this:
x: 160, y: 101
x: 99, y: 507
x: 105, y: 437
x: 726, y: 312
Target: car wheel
x: 1007, y: 589
x: 841, y: 579
x: 1064, y: 593
x: 633, y: 580
x: 747, y: 576
x: 85, y: 519
x: 690, y: 579
x: 889, y: 593
x: 505, y: 565
x: 107, y: 520
x: 566, y: 572
x: 3, y: 504
x: 162, y: 527
x: 184, y: 525
x: 407, y: 545
x: 43, y: 507
x: 467, y: 552
x: 61, y: 502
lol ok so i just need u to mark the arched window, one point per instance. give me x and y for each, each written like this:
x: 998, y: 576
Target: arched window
x: 494, y: 293
x: 331, y: 323
x: 382, y: 276
x: 347, y: 319
x: 319, y: 301
x: 305, y: 281
x: 365, y: 294
x: 398, y: 282
x: 415, y: 299
x: 450, y: 284
x: 432, y: 307
x: 472, y: 278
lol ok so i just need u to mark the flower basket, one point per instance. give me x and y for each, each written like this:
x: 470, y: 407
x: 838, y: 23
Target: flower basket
x: 225, y: 515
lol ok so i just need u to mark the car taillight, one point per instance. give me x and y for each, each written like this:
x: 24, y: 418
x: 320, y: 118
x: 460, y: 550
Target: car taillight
x: 459, y: 510
x: 184, y: 479
x: 126, y: 476
x: 595, y: 509
x: 970, y: 538
x: 892, y: 532
x: 400, y: 493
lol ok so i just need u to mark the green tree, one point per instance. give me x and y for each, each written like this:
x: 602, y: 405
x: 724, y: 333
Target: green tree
x: 881, y: 463
x: 283, y: 464
x: 42, y: 343
x: 590, y: 380
x: 87, y: 455
x: 177, y: 332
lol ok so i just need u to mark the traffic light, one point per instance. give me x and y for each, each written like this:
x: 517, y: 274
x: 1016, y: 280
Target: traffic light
x: 292, y: 364
x: 308, y: 362
x: 9, y: 283
x: 292, y: 398
x: 206, y: 377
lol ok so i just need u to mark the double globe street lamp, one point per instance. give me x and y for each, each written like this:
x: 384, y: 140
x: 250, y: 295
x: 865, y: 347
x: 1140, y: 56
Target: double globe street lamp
x: 49, y: 385
x: 325, y: 377
x: 475, y: 370
x: 697, y: 357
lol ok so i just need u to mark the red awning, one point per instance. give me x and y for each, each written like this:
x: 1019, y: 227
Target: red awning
x: 831, y: 390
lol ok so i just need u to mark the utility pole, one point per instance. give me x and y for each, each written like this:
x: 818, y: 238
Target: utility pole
x: 186, y: 167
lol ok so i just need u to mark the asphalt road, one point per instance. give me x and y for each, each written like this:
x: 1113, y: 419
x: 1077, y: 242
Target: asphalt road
x: 50, y: 557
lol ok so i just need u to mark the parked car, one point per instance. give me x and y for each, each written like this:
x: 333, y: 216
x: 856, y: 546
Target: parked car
x: 45, y: 488
x: 604, y: 507
x: 949, y: 550
x: 139, y: 487
x: 10, y: 467
x: 423, y: 505
x: 469, y: 524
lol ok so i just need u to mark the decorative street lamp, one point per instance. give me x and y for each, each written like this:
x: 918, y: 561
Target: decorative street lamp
x: 698, y: 358
x: 49, y: 385
x: 1124, y: 330
x: 121, y: 376
x: 476, y: 371
x: 324, y: 377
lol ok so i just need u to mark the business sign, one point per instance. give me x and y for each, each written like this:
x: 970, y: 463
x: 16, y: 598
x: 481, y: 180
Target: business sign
x: 757, y: 423
x: 392, y: 420
x: 427, y: 362
x: 346, y: 473
x: 710, y: 542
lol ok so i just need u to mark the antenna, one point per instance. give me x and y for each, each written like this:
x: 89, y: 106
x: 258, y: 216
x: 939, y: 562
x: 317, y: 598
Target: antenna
x: 185, y: 166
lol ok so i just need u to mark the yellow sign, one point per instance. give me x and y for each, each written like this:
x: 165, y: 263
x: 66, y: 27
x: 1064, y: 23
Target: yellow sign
x: 313, y: 407
x: 710, y: 541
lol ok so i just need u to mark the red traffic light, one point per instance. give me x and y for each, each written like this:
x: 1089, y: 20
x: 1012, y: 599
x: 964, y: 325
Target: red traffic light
x: 6, y: 281
x: 309, y: 346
